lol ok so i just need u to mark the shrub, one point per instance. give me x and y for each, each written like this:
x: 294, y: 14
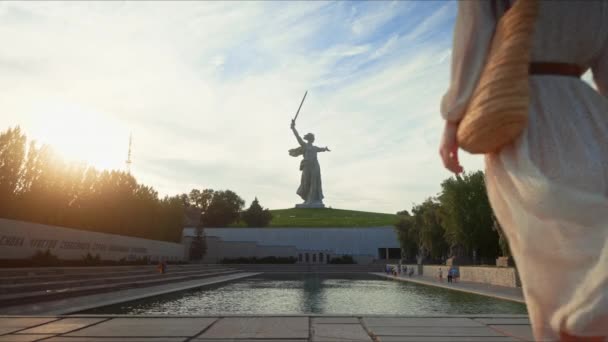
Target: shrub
x: 345, y: 259
x: 90, y: 260
x: 265, y: 260
x: 45, y: 259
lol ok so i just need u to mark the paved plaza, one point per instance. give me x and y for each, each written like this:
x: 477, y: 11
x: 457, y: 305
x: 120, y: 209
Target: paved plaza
x: 266, y: 328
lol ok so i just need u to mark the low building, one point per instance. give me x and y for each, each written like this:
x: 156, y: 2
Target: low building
x: 308, y: 245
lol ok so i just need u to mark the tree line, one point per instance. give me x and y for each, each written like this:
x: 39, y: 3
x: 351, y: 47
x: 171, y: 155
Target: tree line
x: 458, y: 222
x: 37, y: 185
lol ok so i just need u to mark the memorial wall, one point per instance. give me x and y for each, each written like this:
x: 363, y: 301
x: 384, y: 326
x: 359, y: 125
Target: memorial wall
x: 21, y: 240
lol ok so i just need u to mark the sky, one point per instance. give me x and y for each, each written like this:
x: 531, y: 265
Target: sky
x: 208, y: 90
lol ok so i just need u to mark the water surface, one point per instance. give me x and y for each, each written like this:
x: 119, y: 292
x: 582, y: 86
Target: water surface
x: 316, y: 294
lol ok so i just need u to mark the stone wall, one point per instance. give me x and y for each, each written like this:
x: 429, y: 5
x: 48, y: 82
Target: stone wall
x: 503, y: 276
x: 21, y: 240
x: 276, y: 251
x: 433, y: 270
x: 355, y: 241
x: 218, y: 249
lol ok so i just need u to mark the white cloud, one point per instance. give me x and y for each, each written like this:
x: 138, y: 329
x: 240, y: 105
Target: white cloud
x: 209, y: 88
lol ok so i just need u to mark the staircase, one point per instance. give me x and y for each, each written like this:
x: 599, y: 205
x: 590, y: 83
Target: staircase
x: 34, y: 285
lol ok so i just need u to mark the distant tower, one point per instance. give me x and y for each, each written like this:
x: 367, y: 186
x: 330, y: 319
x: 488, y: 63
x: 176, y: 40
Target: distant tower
x: 128, y: 161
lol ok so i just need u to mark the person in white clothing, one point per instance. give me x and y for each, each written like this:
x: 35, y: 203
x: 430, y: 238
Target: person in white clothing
x: 548, y: 188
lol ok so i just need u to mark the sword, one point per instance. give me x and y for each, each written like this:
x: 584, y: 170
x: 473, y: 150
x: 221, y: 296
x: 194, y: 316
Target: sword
x: 301, y: 103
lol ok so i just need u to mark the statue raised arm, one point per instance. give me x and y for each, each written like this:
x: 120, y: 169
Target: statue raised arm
x: 295, y: 132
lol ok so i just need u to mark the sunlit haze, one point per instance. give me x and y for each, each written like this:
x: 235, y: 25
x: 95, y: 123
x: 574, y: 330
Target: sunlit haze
x: 208, y: 90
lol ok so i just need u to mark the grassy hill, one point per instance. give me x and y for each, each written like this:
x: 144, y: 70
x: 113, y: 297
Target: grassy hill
x: 328, y: 218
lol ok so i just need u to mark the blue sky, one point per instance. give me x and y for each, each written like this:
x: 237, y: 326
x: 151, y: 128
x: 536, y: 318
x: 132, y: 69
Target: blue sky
x: 208, y: 90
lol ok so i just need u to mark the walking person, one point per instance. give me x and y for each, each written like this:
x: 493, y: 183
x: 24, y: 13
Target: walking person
x: 549, y: 187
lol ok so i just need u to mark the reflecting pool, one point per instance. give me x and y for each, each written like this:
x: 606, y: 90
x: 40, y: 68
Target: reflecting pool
x: 316, y: 294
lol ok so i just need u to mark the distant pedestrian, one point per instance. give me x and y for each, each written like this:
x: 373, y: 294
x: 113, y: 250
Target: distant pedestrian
x: 440, y: 275
x: 450, y: 274
x: 162, y: 267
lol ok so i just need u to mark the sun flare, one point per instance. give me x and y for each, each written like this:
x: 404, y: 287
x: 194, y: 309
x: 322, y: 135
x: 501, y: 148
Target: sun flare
x: 81, y: 135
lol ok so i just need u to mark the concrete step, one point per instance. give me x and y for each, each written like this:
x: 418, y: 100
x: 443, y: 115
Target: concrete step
x: 89, y: 273
x: 42, y: 271
x: 100, y: 279
x: 39, y: 296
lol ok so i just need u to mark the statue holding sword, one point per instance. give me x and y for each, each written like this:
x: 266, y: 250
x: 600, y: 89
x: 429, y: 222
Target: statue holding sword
x: 310, y: 189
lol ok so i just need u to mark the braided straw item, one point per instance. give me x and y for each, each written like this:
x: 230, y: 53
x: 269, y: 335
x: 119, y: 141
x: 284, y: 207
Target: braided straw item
x: 498, y: 110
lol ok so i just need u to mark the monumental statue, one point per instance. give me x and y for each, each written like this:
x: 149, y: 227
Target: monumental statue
x: 310, y: 188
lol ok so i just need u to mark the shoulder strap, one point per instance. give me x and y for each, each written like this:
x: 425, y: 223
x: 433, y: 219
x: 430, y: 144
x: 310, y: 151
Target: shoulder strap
x: 500, y: 7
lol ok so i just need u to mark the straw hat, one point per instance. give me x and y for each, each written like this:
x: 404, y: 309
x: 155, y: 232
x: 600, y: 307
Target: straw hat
x: 498, y: 110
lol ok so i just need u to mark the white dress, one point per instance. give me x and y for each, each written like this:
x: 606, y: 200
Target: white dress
x: 549, y: 189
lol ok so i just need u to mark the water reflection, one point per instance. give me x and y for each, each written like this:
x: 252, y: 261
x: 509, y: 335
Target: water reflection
x: 317, y: 294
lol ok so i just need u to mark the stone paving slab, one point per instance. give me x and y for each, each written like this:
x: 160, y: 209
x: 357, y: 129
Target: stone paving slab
x: 116, y: 339
x: 503, y: 321
x: 434, y: 331
x: 146, y: 327
x: 259, y: 327
x: 523, y: 332
x: 62, y: 326
x: 22, y: 338
x: 339, y: 332
x: 421, y: 322
x: 445, y: 339
x: 12, y: 324
x: 248, y: 340
x: 335, y: 320
x: 108, y: 328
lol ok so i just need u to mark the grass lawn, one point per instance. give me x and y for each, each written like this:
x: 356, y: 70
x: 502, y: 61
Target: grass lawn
x: 328, y: 218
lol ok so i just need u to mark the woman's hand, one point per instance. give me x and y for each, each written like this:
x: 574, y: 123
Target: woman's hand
x: 293, y: 124
x: 449, y: 148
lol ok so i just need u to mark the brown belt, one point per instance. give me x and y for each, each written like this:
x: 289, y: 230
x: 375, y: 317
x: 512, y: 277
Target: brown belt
x: 558, y: 69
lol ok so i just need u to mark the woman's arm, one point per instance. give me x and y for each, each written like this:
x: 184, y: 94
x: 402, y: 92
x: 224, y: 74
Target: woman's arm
x: 323, y: 149
x: 600, y: 71
x: 293, y: 128
x: 473, y: 33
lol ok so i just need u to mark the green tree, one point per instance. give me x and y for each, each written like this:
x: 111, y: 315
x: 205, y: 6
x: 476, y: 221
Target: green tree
x: 427, y: 218
x: 198, y: 248
x: 223, y: 209
x: 256, y: 216
x: 408, y: 236
x: 403, y: 213
x: 467, y: 216
x: 38, y: 186
x: 12, y: 155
